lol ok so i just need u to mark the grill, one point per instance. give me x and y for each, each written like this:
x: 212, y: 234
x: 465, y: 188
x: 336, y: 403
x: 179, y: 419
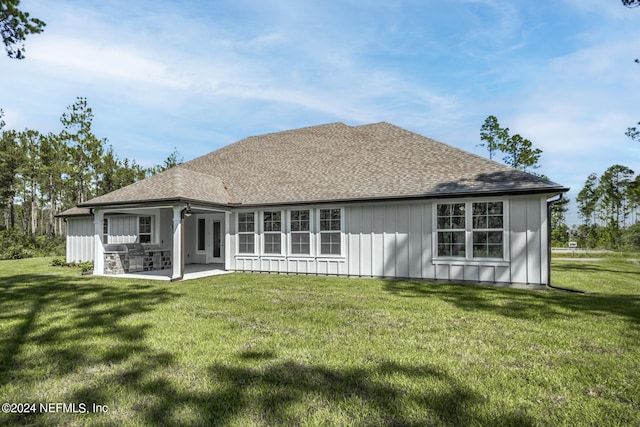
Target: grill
x: 133, y: 251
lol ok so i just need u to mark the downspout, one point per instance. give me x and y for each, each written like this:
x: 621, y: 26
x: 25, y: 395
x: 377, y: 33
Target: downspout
x: 550, y: 204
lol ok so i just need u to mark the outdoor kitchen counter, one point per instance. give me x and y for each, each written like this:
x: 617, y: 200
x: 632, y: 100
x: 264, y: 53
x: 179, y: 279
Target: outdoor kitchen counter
x: 130, y: 258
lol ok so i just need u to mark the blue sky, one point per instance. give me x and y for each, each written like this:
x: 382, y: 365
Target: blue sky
x: 200, y: 75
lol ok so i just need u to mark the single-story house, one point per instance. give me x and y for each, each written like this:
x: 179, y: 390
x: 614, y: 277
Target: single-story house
x: 369, y: 201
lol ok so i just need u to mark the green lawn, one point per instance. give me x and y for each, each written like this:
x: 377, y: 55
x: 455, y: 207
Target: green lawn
x: 247, y: 350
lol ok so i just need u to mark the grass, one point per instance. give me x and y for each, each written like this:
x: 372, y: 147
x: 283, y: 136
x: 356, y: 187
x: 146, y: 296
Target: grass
x: 248, y: 350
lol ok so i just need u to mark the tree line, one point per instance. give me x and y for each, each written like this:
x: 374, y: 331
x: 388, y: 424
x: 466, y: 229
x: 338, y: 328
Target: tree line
x: 607, y: 204
x: 43, y: 174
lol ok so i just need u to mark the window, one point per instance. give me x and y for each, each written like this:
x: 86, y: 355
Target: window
x: 272, y: 222
x: 488, y: 230
x: 105, y: 231
x: 202, y: 223
x: 246, y: 230
x: 451, y: 229
x: 145, y: 226
x: 330, y: 231
x: 300, y: 232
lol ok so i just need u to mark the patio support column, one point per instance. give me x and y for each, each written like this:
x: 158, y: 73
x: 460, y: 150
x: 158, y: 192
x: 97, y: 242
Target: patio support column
x: 227, y: 241
x: 178, y: 259
x: 98, y: 249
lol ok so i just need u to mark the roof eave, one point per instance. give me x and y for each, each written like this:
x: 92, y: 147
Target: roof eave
x: 550, y: 192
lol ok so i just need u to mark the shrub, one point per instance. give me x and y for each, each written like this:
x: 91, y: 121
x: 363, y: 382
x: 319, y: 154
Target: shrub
x: 58, y: 262
x: 86, y: 267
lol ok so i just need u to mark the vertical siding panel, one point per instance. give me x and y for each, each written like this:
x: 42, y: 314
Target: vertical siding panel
x: 366, y: 241
x: 354, y: 225
x: 428, y: 270
x: 472, y: 273
x: 518, y: 219
x: 378, y: 254
x: 415, y: 242
x: 533, y: 241
x: 390, y: 224
x: 79, y: 239
x: 442, y: 272
x: 402, y: 241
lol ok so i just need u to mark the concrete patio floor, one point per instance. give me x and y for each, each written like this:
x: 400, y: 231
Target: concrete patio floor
x: 191, y: 271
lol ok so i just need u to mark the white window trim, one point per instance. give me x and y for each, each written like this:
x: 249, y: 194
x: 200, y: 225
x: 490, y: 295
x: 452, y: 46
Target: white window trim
x: 105, y: 236
x: 256, y: 240
x: 469, y: 258
x: 290, y: 233
x: 318, y: 233
x: 263, y: 233
x: 153, y: 233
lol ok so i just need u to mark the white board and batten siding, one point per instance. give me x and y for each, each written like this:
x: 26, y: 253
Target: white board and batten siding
x: 80, y: 244
x: 396, y: 240
x: 80, y: 230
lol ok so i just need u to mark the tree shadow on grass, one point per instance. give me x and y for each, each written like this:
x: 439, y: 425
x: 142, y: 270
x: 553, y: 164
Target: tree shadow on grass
x: 521, y: 304
x: 55, y: 327
x: 292, y: 393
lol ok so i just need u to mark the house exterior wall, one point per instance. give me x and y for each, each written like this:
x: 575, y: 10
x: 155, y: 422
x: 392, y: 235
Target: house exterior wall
x: 80, y: 232
x: 398, y: 240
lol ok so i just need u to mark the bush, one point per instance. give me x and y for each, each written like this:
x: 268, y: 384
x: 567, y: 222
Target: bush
x: 86, y: 267
x: 58, y: 262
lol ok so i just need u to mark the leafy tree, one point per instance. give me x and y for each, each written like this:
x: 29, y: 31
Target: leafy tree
x: 492, y: 134
x: 85, y: 150
x: 560, y: 230
x: 15, y: 25
x: 633, y: 133
x: 174, y: 159
x: 631, y: 3
x: 614, y: 210
x: 29, y: 145
x: 54, y: 165
x: 588, y: 199
x: 116, y: 173
x: 519, y: 152
x: 10, y: 162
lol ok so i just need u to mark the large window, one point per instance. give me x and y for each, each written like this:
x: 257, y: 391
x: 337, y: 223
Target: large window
x: 246, y: 230
x: 300, y: 232
x: 481, y: 222
x: 488, y: 230
x: 451, y: 223
x: 145, y: 229
x: 330, y: 231
x: 272, y: 222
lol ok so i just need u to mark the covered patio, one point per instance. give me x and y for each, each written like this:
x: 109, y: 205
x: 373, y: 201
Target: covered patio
x: 191, y: 271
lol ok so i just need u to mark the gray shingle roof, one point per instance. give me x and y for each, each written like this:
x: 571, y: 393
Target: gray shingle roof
x: 333, y: 162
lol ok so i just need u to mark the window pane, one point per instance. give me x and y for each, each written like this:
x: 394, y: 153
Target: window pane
x: 495, y: 208
x: 246, y: 243
x: 444, y: 210
x: 145, y: 238
x: 201, y: 234
x: 300, y: 243
x: 246, y: 223
x: 330, y: 219
x: 479, y: 222
x: 272, y: 244
x: 330, y: 243
x: 495, y: 222
x: 457, y: 222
